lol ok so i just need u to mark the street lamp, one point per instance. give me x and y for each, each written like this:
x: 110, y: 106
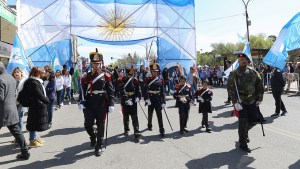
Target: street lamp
x: 248, y: 22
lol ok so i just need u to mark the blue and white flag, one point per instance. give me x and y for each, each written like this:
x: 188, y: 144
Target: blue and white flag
x: 246, y: 51
x: 17, y: 58
x: 121, y: 22
x: 234, y: 66
x: 287, y: 40
x: 56, y: 64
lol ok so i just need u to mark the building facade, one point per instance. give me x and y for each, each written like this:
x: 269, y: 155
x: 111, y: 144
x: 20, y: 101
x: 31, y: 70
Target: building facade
x: 8, y: 30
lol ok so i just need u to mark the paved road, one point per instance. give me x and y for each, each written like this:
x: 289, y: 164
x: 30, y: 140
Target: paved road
x: 67, y: 144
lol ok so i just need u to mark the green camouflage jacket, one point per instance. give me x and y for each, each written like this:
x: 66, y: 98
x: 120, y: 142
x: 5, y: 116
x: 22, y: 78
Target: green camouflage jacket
x: 249, y: 85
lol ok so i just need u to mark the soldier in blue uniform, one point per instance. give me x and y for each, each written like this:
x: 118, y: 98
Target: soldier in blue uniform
x: 97, y: 100
x: 184, y: 98
x: 277, y: 85
x: 154, y: 96
x: 130, y: 95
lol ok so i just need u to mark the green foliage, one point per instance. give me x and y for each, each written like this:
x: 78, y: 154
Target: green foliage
x: 260, y: 41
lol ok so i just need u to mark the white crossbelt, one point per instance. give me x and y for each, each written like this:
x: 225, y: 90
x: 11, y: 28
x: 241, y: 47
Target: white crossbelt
x: 153, y: 92
x: 98, y: 91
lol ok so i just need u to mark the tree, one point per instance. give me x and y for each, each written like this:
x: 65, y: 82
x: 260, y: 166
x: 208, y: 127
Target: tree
x: 126, y: 59
x: 261, y: 41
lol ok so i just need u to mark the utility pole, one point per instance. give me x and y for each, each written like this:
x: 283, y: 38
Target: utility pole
x: 248, y: 22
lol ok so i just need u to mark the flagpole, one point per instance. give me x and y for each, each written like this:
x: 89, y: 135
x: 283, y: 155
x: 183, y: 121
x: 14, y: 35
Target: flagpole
x: 27, y: 58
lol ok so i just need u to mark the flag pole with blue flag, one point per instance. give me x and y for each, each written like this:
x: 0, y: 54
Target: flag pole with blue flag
x: 287, y: 40
x: 246, y: 51
x: 18, y: 58
x: 56, y: 64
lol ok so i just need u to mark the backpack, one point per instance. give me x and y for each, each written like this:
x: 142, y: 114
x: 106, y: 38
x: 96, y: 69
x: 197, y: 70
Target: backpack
x: 23, y: 96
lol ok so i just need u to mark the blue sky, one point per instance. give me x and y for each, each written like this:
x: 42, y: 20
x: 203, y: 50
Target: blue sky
x: 267, y: 16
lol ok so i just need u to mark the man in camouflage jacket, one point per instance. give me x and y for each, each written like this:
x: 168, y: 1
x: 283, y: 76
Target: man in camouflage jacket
x: 245, y: 88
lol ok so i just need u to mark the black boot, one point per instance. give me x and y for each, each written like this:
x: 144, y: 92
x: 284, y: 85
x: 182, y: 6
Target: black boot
x: 93, y: 141
x: 98, y: 151
x: 275, y: 115
x: 245, y: 148
x: 138, y: 137
x: 162, y: 132
x: 283, y: 113
x: 23, y: 156
x: 100, y: 135
x: 181, y: 131
x: 208, y: 129
x: 126, y: 132
x: 186, y: 130
x: 150, y: 127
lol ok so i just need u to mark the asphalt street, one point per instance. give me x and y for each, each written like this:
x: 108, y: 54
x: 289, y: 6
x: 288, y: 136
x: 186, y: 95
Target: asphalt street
x: 67, y: 144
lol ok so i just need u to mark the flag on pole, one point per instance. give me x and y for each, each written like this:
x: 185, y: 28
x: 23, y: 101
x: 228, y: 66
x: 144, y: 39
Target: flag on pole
x: 287, y: 40
x: 246, y: 51
x: 56, y: 64
x: 18, y: 58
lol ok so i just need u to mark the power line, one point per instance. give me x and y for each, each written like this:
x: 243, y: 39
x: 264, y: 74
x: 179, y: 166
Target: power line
x: 219, y: 18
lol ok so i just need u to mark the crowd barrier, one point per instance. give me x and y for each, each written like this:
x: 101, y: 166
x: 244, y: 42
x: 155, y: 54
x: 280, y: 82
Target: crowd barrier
x: 291, y: 79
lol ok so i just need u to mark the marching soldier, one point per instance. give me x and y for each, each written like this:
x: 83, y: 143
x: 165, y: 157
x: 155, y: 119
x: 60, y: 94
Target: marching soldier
x: 277, y: 85
x: 130, y: 95
x: 97, y: 100
x: 183, y: 96
x: 154, y: 97
x: 246, y: 90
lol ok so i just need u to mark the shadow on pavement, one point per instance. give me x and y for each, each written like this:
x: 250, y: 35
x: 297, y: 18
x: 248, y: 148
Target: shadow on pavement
x: 64, y: 131
x: 119, y: 139
x: 233, y: 159
x: 231, y: 126
x: 269, y: 120
x: 295, y: 165
x: 8, y: 134
x: 69, y: 156
x: 225, y: 114
x: 216, y: 108
x: 9, y: 150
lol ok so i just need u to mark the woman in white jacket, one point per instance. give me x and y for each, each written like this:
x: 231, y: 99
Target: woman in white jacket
x: 20, y: 78
x: 59, y: 81
x: 67, y: 85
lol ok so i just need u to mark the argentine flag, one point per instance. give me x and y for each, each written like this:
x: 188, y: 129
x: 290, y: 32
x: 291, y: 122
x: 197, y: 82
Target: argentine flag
x: 56, y: 64
x: 246, y: 51
x: 17, y: 58
x: 287, y: 40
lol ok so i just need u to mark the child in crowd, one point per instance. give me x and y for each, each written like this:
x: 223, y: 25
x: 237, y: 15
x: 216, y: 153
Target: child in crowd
x: 204, y: 97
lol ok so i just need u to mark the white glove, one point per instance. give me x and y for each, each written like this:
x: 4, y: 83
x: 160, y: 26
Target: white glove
x: 137, y: 99
x: 81, y: 106
x: 200, y: 99
x: 110, y: 109
x: 257, y: 103
x: 163, y: 105
x: 238, y: 106
x: 148, y: 102
x: 129, y: 103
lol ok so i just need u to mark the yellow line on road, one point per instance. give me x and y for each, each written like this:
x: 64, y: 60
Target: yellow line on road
x: 283, y: 132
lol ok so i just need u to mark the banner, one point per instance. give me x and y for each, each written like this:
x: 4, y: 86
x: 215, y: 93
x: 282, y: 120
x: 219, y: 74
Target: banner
x: 17, y: 58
